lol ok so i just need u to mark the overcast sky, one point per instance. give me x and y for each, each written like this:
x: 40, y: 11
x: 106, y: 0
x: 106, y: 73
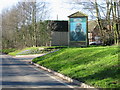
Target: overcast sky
x: 60, y: 8
x: 6, y: 4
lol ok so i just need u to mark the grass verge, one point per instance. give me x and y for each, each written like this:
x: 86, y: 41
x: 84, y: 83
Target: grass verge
x: 96, y: 66
x: 6, y: 51
x: 35, y: 50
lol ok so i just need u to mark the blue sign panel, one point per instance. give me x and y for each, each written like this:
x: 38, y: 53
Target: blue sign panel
x: 78, y: 29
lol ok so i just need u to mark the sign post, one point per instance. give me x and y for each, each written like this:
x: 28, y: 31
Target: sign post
x: 78, y: 29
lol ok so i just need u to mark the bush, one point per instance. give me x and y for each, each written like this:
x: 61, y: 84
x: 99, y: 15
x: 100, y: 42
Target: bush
x: 6, y: 51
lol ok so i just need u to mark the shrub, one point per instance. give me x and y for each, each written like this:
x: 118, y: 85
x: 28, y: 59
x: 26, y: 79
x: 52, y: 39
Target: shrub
x: 6, y: 51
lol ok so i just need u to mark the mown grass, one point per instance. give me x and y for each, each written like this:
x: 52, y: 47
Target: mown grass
x: 96, y: 66
x: 6, y: 51
x: 35, y: 50
x: 20, y: 50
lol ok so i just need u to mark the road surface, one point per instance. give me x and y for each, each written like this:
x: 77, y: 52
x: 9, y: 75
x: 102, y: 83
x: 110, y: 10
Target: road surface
x: 17, y: 73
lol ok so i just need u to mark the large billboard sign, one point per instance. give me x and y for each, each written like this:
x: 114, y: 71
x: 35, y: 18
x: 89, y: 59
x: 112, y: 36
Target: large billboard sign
x: 78, y: 30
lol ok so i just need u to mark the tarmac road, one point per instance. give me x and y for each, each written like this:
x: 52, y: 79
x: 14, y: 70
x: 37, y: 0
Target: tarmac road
x: 17, y: 73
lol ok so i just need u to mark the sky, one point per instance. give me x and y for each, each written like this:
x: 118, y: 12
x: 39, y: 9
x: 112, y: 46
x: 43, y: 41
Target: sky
x: 59, y: 8
x: 6, y: 4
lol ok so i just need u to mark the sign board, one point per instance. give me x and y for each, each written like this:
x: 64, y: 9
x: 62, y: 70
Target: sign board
x: 78, y: 34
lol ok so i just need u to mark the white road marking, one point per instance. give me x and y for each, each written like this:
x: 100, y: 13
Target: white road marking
x: 53, y: 77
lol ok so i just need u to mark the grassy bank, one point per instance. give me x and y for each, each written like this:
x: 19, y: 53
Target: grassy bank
x: 96, y: 66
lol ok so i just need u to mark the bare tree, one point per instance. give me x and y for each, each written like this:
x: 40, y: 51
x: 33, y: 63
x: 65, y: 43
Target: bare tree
x: 107, y: 14
x: 20, y: 24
